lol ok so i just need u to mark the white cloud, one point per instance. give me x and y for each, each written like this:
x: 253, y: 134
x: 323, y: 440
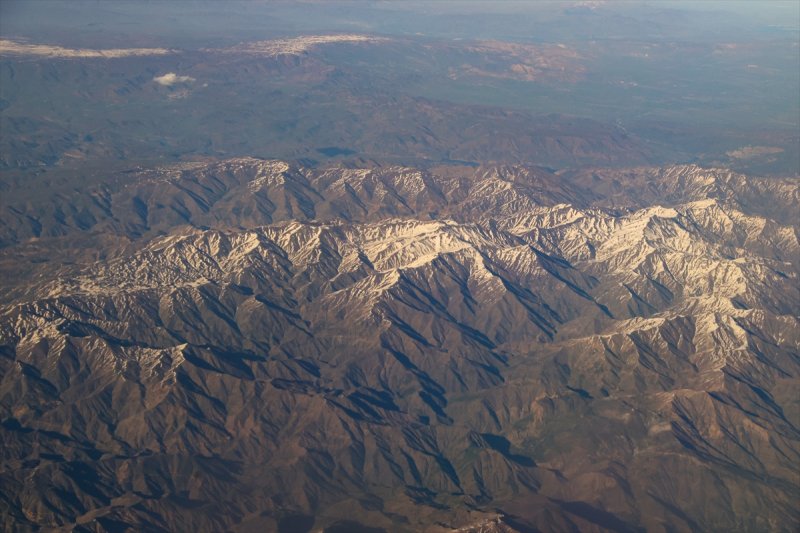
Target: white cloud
x: 170, y: 78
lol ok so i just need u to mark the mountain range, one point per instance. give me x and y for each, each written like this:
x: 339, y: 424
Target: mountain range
x: 248, y: 344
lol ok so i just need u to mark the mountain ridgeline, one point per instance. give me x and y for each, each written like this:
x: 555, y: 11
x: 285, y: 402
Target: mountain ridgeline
x: 251, y: 345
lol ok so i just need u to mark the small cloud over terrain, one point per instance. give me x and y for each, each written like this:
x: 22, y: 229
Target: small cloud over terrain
x: 170, y: 78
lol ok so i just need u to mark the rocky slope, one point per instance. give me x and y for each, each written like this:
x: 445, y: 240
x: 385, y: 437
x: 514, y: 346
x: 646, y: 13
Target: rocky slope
x: 255, y: 345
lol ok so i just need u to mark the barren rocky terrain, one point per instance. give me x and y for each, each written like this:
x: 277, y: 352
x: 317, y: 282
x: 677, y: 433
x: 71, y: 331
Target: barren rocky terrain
x: 390, y: 267
x: 271, y: 346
